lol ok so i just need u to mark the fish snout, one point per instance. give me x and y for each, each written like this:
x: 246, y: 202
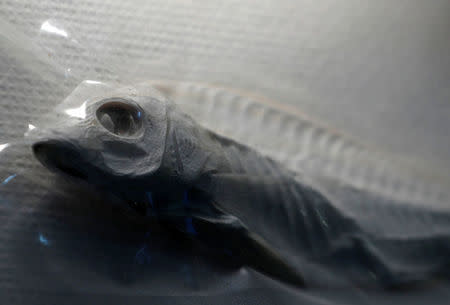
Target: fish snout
x: 60, y: 155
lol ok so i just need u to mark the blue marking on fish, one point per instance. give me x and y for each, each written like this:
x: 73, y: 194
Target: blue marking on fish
x: 189, y: 226
x: 8, y: 179
x: 142, y: 256
x: 43, y: 240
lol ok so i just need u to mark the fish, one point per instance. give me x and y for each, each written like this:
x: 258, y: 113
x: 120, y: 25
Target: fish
x: 139, y: 146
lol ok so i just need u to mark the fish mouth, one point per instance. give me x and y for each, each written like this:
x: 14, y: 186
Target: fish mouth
x: 59, y: 156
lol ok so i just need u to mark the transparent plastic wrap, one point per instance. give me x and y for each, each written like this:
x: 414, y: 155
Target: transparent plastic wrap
x: 66, y: 240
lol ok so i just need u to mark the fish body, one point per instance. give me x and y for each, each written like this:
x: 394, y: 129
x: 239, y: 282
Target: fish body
x: 139, y: 146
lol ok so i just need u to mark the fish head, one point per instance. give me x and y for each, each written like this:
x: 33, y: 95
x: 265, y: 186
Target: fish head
x: 113, y: 140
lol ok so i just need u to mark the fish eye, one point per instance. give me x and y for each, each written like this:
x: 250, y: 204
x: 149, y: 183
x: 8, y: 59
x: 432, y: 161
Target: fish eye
x: 120, y: 118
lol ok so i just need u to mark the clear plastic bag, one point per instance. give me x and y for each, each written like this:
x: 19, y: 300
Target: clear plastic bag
x: 62, y: 241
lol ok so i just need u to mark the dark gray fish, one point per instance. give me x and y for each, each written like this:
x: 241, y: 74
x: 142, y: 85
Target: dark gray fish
x: 137, y: 145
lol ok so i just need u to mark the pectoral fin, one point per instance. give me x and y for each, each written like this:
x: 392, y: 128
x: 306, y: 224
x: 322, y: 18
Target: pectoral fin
x: 248, y: 247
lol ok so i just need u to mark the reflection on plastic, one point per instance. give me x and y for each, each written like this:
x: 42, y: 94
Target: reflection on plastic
x: 93, y: 82
x: 48, y: 27
x: 79, y: 112
x: 3, y: 146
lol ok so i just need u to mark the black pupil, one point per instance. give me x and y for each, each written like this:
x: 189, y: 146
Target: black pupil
x: 119, y: 118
